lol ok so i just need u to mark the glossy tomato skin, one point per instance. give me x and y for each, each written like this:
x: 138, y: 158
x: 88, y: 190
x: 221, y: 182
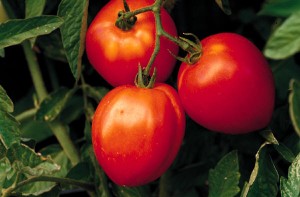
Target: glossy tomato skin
x: 231, y: 88
x: 116, y: 54
x: 137, y: 132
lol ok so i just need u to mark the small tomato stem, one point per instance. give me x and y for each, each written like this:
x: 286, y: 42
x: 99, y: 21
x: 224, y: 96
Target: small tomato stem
x: 35, y: 71
x: 85, y: 185
x: 26, y: 114
x: 61, y: 133
x: 100, y: 173
x: 163, y: 185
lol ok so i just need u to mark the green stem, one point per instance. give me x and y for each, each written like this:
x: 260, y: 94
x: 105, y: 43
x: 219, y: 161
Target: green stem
x: 26, y: 114
x: 100, y: 173
x: 85, y: 185
x: 163, y: 185
x: 61, y: 133
x: 35, y: 71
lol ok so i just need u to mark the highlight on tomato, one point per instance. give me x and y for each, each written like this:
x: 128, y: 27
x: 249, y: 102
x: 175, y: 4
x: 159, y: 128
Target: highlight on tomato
x: 116, y: 52
x: 230, y: 89
x: 137, y: 132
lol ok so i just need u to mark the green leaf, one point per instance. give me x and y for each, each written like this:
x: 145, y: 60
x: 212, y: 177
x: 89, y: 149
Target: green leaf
x: 294, y: 105
x: 280, y: 8
x: 5, y: 170
x: 9, y: 129
x: 73, y: 31
x: 16, y: 31
x: 224, y: 5
x: 61, y: 161
x: 2, y: 53
x: 285, y: 152
x: 285, y: 41
x: 30, y: 162
x: 52, y: 46
x: 53, y: 105
x: 5, y: 102
x: 132, y: 191
x: 264, y: 177
x: 34, y: 8
x: 291, y: 186
x: 97, y: 93
x: 224, y: 179
x: 268, y: 135
x: 37, y: 130
x: 283, y: 72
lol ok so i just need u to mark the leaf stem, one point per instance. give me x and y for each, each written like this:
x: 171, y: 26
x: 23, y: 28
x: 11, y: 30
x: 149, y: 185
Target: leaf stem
x: 100, y: 173
x: 26, y: 114
x: 61, y: 133
x: 35, y: 71
x: 163, y: 185
x: 85, y: 185
x: 58, y: 129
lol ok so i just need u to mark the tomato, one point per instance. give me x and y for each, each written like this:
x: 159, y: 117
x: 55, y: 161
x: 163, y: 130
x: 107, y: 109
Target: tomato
x: 230, y: 89
x: 137, y: 132
x: 116, y: 54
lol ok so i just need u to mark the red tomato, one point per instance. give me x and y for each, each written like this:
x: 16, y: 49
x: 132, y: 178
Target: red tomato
x: 137, y: 132
x: 116, y: 54
x: 230, y: 89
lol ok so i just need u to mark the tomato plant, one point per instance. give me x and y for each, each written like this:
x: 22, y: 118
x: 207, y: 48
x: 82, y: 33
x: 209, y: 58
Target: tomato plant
x: 116, y: 53
x: 3, y: 15
x: 47, y: 107
x: 137, y: 133
x: 230, y: 88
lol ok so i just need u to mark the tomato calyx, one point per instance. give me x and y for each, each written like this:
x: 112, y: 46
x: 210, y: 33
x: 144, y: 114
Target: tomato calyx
x: 194, y: 49
x: 144, y: 80
x: 125, y: 22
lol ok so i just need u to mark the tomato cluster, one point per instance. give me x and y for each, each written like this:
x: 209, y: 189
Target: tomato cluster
x: 137, y: 132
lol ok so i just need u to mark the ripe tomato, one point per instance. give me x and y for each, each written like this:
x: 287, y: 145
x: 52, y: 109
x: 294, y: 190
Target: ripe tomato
x: 137, y: 132
x: 230, y: 89
x: 116, y: 54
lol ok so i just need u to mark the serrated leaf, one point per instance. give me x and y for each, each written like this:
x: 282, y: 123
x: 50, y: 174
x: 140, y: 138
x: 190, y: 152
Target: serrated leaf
x: 285, y: 152
x: 52, y: 106
x: 6, y: 103
x: 264, y: 177
x: 224, y: 5
x: 285, y: 41
x: 291, y: 186
x: 294, y: 105
x: 73, y: 31
x: 280, y: 8
x: 9, y: 129
x: 30, y: 162
x: 224, y: 178
x: 38, y: 188
x: 16, y: 31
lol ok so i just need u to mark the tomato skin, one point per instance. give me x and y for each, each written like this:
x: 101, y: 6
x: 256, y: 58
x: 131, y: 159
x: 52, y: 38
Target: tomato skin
x: 116, y: 54
x: 137, y: 132
x: 231, y: 88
